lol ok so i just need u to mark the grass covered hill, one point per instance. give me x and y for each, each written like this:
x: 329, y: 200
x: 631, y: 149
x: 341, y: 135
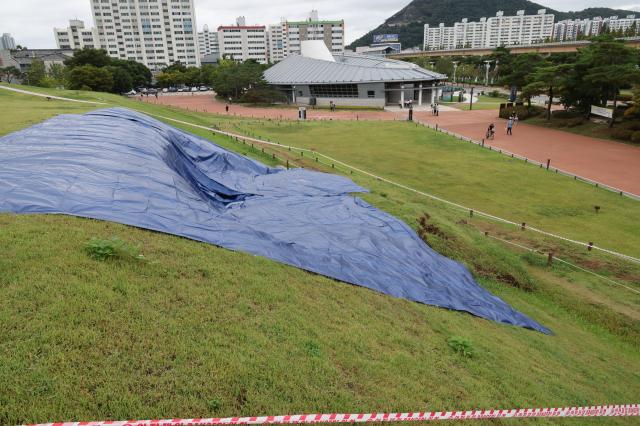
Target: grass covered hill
x: 194, y: 330
x: 409, y: 22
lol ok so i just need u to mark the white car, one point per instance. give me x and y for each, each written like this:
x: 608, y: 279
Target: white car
x: 194, y: 89
x: 131, y: 93
x: 165, y: 90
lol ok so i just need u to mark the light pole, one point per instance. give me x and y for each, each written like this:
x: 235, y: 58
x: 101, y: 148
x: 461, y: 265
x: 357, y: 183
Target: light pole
x: 487, y: 65
x: 431, y: 64
x: 455, y: 69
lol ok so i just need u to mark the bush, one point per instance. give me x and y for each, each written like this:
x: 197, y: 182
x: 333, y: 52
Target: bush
x: 635, y: 137
x: 114, y: 248
x: 621, y: 134
x: 494, y: 94
x: 523, y: 111
x: 262, y: 95
x: 566, y: 114
x: 461, y: 346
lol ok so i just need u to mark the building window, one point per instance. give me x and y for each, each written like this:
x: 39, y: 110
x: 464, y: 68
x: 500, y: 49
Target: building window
x: 334, y: 90
x: 371, y: 94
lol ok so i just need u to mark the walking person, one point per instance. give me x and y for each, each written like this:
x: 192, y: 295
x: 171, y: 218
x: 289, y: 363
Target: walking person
x: 510, y: 126
x: 515, y: 120
x: 437, y: 110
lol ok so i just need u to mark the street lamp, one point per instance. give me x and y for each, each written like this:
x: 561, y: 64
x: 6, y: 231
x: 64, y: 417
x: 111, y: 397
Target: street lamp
x: 455, y: 69
x: 487, y: 65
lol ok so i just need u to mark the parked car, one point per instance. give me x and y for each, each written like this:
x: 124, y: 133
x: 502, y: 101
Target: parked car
x: 152, y: 91
x: 182, y: 89
x: 165, y: 90
x: 194, y: 89
x: 173, y: 89
x: 203, y: 88
x: 131, y: 93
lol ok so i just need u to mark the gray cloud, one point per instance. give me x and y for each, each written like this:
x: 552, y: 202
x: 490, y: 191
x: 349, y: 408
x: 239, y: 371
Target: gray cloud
x: 31, y: 22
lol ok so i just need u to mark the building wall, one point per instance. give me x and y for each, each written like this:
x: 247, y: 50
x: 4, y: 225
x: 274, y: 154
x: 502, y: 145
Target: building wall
x: 208, y: 42
x: 156, y: 33
x: 76, y: 36
x: 496, y: 31
x: 7, y: 42
x: 570, y: 30
x: 331, y: 32
x: 242, y: 43
x: 278, y: 41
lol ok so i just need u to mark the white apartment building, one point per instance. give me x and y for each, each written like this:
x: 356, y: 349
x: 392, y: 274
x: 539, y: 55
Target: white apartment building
x: 208, y: 42
x: 76, y: 36
x: 278, y: 37
x: 242, y: 42
x: 156, y: 33
x: 569, y: 30
x: 7, y: 42
x: 331, y: 32
x: 496, y: 31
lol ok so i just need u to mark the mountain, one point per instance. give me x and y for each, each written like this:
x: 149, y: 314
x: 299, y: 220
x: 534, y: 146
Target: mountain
x: 409, y: 22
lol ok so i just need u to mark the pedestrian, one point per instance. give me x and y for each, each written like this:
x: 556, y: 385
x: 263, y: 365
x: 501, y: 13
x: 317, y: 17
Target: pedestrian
x: 490, y: 131
x: 400, y: 103
x: 510, y: 126
x: 437, y: 110
x: 433, y: 110
x: 515, y: 120
x: 226, y: 108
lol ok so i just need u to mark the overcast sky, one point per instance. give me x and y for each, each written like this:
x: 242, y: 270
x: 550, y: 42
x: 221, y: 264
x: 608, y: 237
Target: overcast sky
x: 31, y: 22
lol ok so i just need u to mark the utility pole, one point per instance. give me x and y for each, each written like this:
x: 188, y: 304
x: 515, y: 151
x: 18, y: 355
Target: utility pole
x: 455, y: 69
x: 471, y: 100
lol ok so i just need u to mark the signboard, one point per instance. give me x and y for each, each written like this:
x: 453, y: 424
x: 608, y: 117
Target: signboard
x: 385, y: 38
x: 602, y: 112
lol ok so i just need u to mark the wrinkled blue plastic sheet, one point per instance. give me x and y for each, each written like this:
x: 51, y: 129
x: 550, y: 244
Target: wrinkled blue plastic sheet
x: 122, y: 166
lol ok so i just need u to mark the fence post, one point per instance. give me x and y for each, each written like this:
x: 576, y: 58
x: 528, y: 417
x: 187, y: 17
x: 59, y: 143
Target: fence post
x: 471, y: 213
x: 524, y: 226
x: 550, y: 259
x: 590, y: 247
x: 548, y: 163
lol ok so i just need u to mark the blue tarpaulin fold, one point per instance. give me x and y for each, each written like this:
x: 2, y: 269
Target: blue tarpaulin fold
x: 122, y: 166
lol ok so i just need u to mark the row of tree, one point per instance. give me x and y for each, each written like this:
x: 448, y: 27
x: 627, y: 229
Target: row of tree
x: 235, y: 81
x: 88, y: 69
x: 592, y: 76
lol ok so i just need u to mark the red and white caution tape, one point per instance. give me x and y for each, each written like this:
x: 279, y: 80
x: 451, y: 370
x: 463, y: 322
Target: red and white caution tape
x: 630, y: 410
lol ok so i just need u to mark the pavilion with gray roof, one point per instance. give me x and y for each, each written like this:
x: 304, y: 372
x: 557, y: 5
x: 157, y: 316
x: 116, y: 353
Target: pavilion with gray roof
x: 350, y: 79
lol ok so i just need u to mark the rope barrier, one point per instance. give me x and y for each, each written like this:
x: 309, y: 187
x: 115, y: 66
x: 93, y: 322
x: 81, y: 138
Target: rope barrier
x: 399, y: 185
x: 532, y: 250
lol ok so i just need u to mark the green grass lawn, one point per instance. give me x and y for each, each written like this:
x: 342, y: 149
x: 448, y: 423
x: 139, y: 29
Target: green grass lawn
x: 200, y: 331
x: 484, y: 102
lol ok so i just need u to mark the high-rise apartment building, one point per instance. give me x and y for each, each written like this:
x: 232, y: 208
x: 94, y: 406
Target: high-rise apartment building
x: 496, y: 31
x: 242, y: 42
x: 7, y: 42
x: 573, y: 29
x: 208, y: 42
x: 331, y: 32
x: 76, y: 36
x: 156, y: 33
x: 278, y: 37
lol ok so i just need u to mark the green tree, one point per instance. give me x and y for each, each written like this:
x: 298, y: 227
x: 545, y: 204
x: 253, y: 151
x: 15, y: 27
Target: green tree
x: 232, y: 79
x: 87, y: 56
x: 521, y: 69
x: 176, y: 66
x: 547, y: 79
x: 599, y: 72
x: 36, y: 72
x: 90, y: 77
x: 57, y: 75
x: 192, y: 76
x: 122, y: 81
x: 9, y: 73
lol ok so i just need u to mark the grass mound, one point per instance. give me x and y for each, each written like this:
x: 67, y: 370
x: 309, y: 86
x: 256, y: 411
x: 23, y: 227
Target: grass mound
x: 199, y: 331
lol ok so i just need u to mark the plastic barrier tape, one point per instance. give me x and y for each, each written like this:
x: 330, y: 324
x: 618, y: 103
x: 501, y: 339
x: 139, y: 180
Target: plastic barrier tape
x: 630, y: 410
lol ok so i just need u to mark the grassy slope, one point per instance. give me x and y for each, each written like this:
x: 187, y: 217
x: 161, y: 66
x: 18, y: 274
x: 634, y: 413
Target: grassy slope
x: 201, y: 331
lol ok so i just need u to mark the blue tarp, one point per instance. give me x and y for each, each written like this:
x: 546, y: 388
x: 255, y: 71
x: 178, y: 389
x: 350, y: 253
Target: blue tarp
x: 122, y: 166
